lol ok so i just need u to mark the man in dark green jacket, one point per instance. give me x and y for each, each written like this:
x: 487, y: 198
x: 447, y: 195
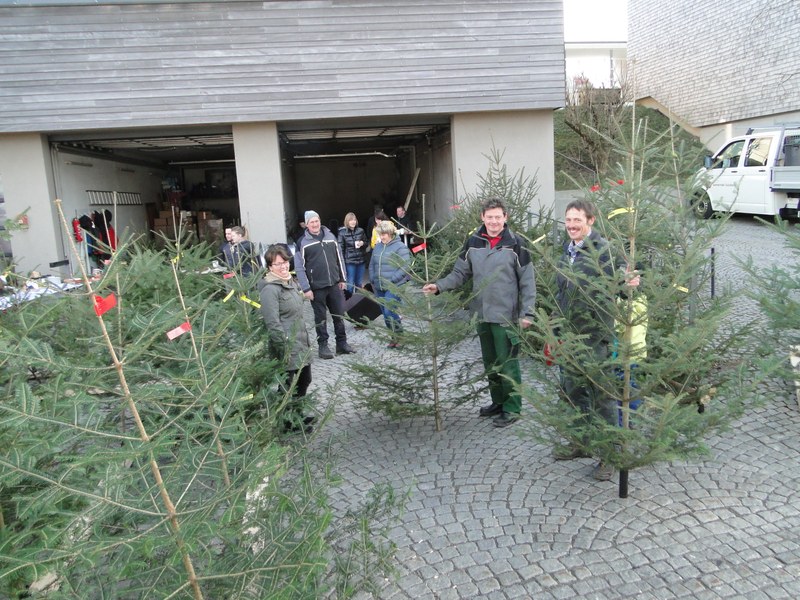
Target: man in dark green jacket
x: 585, y: 297
x: 504, y: 294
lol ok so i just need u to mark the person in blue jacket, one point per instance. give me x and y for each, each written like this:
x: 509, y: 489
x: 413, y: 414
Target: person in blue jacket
x: 389, y: 268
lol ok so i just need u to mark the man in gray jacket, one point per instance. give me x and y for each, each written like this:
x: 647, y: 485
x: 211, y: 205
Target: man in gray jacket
x: 499, y: 263
x: 321, y: 275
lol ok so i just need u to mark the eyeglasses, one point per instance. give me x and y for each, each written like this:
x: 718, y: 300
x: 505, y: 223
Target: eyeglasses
x: 279, y: 265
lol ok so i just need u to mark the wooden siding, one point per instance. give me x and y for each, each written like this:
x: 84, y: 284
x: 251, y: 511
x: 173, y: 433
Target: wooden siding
x: 712, y: 64
x: 69, y: 67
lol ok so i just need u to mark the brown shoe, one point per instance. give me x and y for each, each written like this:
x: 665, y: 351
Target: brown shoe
x: 603, y: 472
x: 569, y: 452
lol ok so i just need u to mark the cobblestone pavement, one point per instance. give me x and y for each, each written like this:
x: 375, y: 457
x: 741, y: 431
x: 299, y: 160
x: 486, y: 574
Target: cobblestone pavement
x: 491, y: 515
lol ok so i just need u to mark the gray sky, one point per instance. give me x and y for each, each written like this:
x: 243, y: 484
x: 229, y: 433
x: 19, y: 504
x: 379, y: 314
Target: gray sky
x: 595, y: 20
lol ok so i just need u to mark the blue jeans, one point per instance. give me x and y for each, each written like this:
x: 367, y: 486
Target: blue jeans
x: 355, y: 275
x: 388, y: 306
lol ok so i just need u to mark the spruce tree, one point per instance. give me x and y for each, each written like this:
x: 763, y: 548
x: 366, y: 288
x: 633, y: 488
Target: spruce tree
x: 431, y: 372
x: 695, y: 378
x: 426, y: 372
x: 775, y: 289
x: 136, y: 463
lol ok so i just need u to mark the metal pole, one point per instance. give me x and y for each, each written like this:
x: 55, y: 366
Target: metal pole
x: 713, y: 271
x: 623, y: 483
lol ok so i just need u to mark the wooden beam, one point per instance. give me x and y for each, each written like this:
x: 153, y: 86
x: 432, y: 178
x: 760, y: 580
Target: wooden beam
x: 411, y: 190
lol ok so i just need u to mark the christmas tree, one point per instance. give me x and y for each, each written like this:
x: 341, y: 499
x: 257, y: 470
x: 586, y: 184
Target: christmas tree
x: 691, y: 376
x: 141, y: 447
x: 431, y: 372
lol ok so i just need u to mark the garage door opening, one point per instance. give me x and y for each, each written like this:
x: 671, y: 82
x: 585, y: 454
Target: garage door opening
x: 333, y: 169
x: 336, y: 171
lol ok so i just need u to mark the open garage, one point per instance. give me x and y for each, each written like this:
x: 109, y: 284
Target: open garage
x: 333, y: 170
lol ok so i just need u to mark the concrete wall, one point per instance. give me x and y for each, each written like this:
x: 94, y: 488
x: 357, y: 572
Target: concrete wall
x: 34, y: 176
x: 75, y: 174
x: 714, y: 136
x: 524, y: 138
x: 258, y: 172
x: 28, y: 184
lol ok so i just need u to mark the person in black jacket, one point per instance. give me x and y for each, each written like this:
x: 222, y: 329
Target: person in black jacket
x: 320, y: 272
x: 353, y: 244
x: 404, y: 224
x: 241, y: 254
x: 586, y: 307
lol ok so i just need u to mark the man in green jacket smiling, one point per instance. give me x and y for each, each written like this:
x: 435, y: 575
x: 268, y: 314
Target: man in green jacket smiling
x: 504, y: 294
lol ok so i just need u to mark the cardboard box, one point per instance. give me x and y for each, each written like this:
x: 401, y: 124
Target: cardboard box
x: 211, y: 230
x: 213, y: 224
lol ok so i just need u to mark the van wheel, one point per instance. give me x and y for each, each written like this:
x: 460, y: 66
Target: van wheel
x: 701, y: 206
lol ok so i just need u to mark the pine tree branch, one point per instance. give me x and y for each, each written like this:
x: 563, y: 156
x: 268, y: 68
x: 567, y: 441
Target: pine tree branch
x: 156, y: 471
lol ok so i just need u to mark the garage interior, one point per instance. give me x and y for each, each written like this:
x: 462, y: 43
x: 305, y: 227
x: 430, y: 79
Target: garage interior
x: 333, y: 169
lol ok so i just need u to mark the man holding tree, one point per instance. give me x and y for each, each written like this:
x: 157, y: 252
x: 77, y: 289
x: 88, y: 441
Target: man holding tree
x: 585, y: 276
x: 504, y: 294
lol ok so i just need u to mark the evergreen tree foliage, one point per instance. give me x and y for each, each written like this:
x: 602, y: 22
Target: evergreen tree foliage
x: 776, y: 289
x: 696, y: 377
x: 429, y: 373
x: 518, y: 190
x: 137, y: 466
x: 591, y: 118
x: 426, y: 372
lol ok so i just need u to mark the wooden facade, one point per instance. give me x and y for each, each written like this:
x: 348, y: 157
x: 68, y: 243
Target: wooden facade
x: 83, y: 65
x: 715, y: 66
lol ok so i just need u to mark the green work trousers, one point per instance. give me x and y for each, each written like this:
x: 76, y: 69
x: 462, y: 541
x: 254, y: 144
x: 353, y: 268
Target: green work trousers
x: 500, y: 351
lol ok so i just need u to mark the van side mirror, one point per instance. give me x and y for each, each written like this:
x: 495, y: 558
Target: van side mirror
x: 708, y: 161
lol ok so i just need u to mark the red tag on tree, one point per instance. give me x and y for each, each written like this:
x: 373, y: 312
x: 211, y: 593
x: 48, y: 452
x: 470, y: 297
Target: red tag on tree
x: 179, y: 330
x: 103, y: 305
x: 419, y: 248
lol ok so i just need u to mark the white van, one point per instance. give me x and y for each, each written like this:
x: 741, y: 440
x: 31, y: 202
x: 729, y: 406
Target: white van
x: 756, y: 173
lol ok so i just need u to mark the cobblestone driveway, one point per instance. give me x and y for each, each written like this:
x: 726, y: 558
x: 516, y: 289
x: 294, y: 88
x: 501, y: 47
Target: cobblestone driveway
x: 491, y: 515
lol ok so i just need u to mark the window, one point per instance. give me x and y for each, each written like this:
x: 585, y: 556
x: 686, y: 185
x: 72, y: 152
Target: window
x: 729, y: 156
x: 757, y: 152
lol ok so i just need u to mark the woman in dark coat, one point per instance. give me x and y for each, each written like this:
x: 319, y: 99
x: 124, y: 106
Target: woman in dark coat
x: 282, y: 308
x: 353, y: 244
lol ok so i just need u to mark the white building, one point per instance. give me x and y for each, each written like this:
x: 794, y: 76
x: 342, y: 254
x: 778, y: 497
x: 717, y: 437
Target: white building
x: 595, y: 41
